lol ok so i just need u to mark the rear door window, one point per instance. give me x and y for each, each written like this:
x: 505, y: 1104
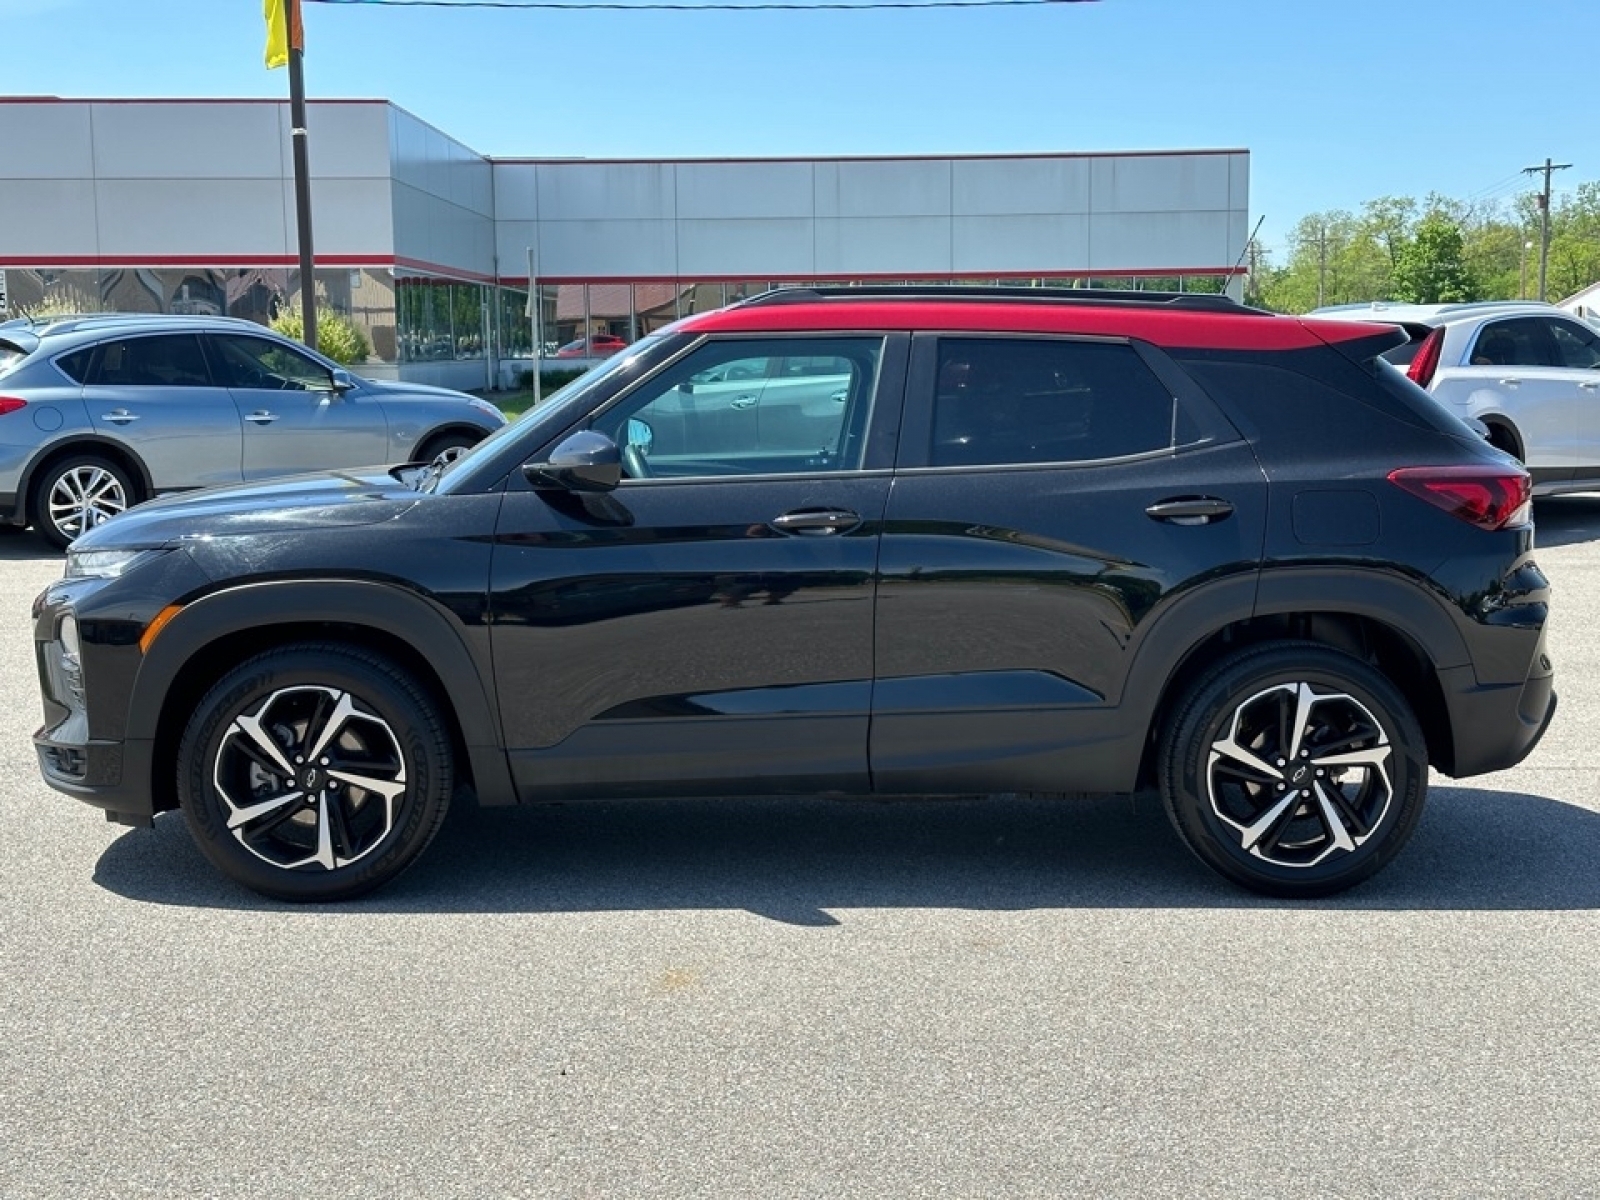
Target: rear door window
x: 1578, y: 346
x: 1020, y: 400
x: 165, y: 361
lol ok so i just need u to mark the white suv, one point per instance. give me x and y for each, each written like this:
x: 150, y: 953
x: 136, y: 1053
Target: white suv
x: 1529, y: 372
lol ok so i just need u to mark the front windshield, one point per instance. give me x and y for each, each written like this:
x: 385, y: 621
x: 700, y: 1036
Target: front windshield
x: 573, y: 394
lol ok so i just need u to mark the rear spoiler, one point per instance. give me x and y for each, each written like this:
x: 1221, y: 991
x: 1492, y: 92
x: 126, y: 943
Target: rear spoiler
x: 19, y: 340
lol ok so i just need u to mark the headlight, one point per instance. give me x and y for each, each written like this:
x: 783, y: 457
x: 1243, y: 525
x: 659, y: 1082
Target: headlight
x: 488, y: 410
x: 105, y: 564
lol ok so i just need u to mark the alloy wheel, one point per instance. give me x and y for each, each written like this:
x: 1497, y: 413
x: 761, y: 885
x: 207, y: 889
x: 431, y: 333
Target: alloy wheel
x: 83, y: 497
x: 310, y: 778
x: 1300, y: 774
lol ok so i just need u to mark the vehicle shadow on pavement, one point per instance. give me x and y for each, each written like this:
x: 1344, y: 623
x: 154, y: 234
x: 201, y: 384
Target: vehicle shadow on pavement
x: 24, y: 545
x: 1566, y: 520
x: 799, y: 861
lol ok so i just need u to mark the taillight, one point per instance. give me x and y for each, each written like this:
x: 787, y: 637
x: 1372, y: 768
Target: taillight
x: 10, y: 404
x: 1426, y: 362
x: 1488, y: 497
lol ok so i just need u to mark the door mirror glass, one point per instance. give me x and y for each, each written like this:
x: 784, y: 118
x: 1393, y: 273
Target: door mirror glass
x: 585, y: 462
x: 343, y: 381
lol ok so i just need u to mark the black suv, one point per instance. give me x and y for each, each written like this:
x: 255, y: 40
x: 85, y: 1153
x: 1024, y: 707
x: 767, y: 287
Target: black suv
x: 880, y: 541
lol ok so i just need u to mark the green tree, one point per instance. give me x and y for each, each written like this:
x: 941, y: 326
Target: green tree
x: 1430, y: 267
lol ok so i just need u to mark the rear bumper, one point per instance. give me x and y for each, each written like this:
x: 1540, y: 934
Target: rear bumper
x: 1495, y: 728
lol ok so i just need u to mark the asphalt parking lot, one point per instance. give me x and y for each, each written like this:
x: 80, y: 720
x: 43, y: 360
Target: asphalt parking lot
x: 813, y: 997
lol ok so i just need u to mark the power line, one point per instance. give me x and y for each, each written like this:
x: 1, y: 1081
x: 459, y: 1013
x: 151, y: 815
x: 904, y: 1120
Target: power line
x: 659, y: 6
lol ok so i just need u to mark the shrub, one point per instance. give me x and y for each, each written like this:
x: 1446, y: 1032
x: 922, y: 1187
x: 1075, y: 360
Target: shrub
x: 338, y: 337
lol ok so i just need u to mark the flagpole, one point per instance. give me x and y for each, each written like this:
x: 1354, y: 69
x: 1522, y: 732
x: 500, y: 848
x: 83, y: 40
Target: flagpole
x: 302, y: 175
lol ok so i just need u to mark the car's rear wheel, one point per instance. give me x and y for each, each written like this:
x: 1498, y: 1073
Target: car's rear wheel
x: 1294, y: 769
x: 74, y: 495
x: 1503, y: 437
x: 315, y: 772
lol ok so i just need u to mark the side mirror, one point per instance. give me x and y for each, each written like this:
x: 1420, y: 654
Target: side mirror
x: 343, y: 381
x: 585, y: 462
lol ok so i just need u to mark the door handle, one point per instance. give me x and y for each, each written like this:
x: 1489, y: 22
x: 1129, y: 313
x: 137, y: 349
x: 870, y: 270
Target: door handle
x: 817, y: 522
x: 119, y: 416
x: 743, y: 402
x: 1591, y: 386
x: 262, y: 417
x: 1511, y: 382
x: 1190, y: 510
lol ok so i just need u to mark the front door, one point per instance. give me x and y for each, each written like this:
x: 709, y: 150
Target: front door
x: 293, y: 420
x: 707, y: 627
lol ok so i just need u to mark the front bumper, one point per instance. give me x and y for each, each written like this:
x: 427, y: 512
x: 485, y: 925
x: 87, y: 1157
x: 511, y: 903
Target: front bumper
x: 109, y: 775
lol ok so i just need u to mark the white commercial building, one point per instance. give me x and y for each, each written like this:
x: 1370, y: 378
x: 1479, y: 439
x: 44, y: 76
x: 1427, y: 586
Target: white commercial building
x: 188, y: 205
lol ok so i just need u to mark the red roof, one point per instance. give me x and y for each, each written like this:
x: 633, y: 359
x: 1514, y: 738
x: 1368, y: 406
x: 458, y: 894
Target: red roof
x: 1161, y: 325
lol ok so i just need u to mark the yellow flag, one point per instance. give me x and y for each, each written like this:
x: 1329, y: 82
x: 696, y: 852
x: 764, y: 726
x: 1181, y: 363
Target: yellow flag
x: 283, y: 30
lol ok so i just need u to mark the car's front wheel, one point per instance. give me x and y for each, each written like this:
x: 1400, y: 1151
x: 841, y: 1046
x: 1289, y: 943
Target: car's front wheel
x: 74, y: 495
x: 315, y: 772
x: 1294, y: 769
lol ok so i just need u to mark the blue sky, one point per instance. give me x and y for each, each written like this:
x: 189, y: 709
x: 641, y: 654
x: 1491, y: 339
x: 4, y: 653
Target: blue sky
x: 1338, y: 103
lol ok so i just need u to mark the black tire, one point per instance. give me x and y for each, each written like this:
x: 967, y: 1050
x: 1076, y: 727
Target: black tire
x: 1502, y: 437
x: 446, y: 446
x: 316, y: 835
x: 77, y: 493
x: 1233, y: 761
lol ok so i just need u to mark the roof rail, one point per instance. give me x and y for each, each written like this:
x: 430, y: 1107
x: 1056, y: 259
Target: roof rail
x: 69, y: 322
x: 1202, y: 301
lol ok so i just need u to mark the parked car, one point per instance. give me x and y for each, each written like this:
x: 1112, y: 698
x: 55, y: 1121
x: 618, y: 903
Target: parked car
x: 99, y: 413
x: 1005, y: 541
x: 601, y: 345
x: 1528, y: 371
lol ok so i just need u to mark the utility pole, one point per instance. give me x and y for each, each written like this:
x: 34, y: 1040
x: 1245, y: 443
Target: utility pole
x: 302, y: 175
x: 1544, y: 215
x: 1322, y: 262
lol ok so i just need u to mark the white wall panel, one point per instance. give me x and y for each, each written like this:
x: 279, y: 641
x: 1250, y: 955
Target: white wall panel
x: 346, y: 141
x: 188, y: 217
x: 48, y: 141
x: 1020, y: 186
x: 895, y: 188
x: 1159, y: 241
x: 603, y: 249
x: 1005, y: 245
x: 1239, y: 182
x: 743, y: 191
x: 606, y: 191
x: 187, y: 141
x: 48, y: 216
x: 348, y: 217
x: 884, y: 245
x: 770, y: 249
x: 516, y: 192
x: 1159, y: 183
x: 431, y: 230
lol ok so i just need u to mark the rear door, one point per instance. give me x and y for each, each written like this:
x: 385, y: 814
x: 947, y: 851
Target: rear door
x: 155, y: 393
x: 1053, y: 497
x: 292, y: 418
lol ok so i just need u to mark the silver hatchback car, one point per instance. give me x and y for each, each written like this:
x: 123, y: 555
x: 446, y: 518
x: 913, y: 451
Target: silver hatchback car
x: 100, y: 412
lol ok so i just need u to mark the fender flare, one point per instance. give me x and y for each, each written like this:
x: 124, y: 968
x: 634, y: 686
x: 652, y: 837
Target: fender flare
x: 1379, y: 596
x: 416, y: 620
